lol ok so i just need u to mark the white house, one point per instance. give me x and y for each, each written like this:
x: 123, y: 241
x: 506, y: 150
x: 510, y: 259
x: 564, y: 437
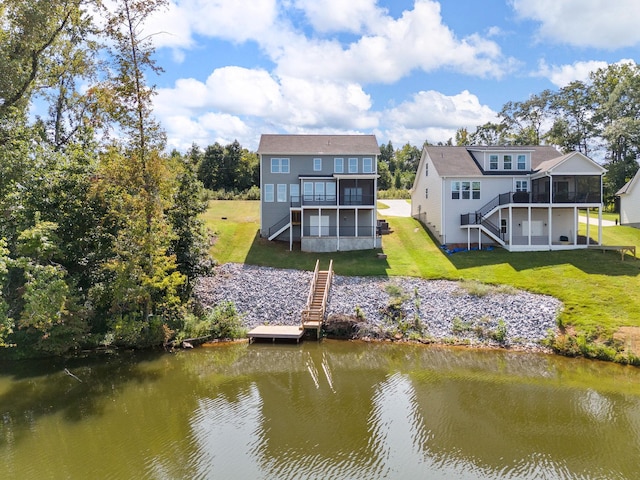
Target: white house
x: 630, y: 202
x: 521, y: 198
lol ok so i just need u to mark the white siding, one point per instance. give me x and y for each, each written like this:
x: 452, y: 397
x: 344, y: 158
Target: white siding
x: 630, y: 203
x: 427, y: 210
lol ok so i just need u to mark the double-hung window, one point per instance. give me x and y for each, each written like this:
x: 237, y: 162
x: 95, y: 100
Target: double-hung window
x: 282, y: 192
x: 522, y: 162
x: 294, y: 192
x: 317, y: 164
x: 466, y: 190
x: 279, y: 165
x: 475, y: 190
x: 493, y: 162
x: 268, y: 192
x: 353, y: 165
x: 521, y: 186
x: 338, y: 165
x: 426, y: 169
x: 455, y: 190
x: 507, y: 162
x: 367, y: 165
x: 308, y: 191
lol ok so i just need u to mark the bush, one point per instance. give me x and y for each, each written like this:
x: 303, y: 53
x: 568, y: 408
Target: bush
x: 394, y: 193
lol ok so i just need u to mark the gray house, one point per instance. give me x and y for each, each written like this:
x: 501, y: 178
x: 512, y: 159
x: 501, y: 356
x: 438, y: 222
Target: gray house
x: 319, y: 190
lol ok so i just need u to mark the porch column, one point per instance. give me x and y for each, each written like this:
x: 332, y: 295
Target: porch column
x: 338, y: 227
x: 290, y: 232
x: 374, y: 213
x: 510, y: 227
x: 479, y: 239
x: 301, y: 224
x: 373, y: 225
x: 319, y: 221
x: 575, y: 223
x: 468, y: 238
x: 356, y: 213
x: 600, y: 224
x: 529, y: 217
x: 588, y: 221
x: 549, y: 227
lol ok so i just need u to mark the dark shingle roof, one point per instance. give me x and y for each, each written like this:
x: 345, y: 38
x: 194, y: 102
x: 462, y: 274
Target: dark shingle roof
x: 463, y: 161
x: 318, y: 145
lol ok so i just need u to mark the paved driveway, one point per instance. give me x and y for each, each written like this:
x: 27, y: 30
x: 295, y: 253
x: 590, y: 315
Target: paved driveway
x: 397, y: 208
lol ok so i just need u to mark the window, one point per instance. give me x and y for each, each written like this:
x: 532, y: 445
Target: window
x: 282, y: 192
x: 493, y: 162
x: 338, y: 165
x: 353, y: 196
x: 268, y: 192
x: 426, y: 193
x: 522, y: 186
x: 331, y: 191
x: 317, y: 164
x: 503, y: 226
x: 426, y: 169
x: 279, y: 165
x: 353, y: 165
x: 320, y: 192
x: 367, y: 165
x: 507, y: 162
x: 455, y: 190
x: 522, y: 162
x: 475, y: 190
x: 466, y: 190
x: 294, y: 192
x: 308, y: 191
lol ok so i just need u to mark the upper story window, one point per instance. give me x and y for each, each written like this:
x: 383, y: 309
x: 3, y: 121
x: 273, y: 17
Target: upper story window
x: 475, y: 190
x: 507, y: 162
x: 317, y: 164
x: 522, y: 186
x: 455, y: 190
x: 268, y: 192
x: 338, y: 165
x: 353, y: 165
x: 522, y: 162
x: 279, y: 165
x: 282, y: 192
x: 493, y: 162
x: 426, y: 169
x: 367, y: 165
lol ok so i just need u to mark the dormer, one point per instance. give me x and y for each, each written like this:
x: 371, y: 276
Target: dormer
x: 506, y: 161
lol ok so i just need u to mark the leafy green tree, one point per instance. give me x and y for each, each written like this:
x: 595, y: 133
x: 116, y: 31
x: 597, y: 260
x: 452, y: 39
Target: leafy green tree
x: 573, y: 129
x: 489, y: 134
x: 462, y: 137
x: 210, y: 167
x: 523, y: 121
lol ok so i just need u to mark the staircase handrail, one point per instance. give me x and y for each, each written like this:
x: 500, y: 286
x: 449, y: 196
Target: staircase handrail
x: 278, y: 225
x: 325, y: 297
x: 313, y: 284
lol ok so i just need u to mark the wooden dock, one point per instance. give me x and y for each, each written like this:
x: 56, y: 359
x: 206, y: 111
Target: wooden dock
x: 276, y: 332
x: 312, y: 316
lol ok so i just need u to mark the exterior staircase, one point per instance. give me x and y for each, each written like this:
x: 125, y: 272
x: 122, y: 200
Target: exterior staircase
x: 314, y: 312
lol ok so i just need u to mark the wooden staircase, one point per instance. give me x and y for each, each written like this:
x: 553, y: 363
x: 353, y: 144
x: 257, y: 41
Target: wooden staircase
x: 314, y: 312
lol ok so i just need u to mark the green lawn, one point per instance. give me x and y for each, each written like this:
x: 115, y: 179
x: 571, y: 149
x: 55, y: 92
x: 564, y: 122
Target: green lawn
x: 600, y: 292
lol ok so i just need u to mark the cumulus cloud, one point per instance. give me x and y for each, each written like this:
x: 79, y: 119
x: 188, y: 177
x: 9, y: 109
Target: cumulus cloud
x: 249, y: 96
x: 433, y: 116
x: 354, y: 16
x: 416, y: 40
x: 584, y: 23
x: 562, y: 75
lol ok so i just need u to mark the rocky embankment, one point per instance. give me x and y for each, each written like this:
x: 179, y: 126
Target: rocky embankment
x: 399, y: 307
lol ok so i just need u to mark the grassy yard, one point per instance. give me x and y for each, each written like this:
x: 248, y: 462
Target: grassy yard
x: 600, y: 292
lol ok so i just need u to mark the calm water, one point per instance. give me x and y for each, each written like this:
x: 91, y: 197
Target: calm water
x: 334, y: 410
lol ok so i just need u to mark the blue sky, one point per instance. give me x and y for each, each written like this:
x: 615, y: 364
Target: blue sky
x: 407, y: 71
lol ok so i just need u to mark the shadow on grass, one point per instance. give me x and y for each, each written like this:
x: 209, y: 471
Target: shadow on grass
x: 276, y: 254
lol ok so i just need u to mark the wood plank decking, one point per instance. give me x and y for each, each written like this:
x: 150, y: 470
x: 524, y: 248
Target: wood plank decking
x: 312, y: 316
x: 623, y: 249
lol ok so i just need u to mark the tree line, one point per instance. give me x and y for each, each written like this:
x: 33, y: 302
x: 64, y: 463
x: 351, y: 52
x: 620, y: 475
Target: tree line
x: 100, y: 237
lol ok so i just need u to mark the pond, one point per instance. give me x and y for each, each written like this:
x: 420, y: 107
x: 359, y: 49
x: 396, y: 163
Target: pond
x: 324, y: 410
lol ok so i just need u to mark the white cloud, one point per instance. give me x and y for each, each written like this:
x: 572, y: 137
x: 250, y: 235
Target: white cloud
x: 562, y: 75
x: 585, y: 23
x: 416, y: 40
x: 431, y: 109
x: 353, y: 16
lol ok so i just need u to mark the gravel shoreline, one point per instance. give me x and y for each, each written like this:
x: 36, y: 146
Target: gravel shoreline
x: 445, y: 310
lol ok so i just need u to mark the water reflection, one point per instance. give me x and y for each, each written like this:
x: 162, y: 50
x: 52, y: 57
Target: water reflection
x: 329, y: 410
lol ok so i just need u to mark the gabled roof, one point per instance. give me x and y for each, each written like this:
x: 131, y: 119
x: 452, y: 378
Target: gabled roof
x: 629, y: 185
x: 272, y: 144
x: 464, y: 161
x: 551, y: 164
